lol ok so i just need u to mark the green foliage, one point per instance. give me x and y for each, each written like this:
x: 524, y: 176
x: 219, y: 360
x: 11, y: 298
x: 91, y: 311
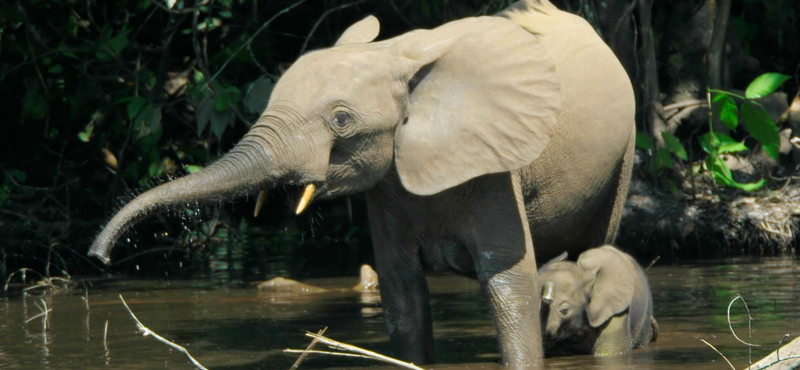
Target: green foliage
x: 765, y: 84
x: 756, y: 120
x: 643, y: 141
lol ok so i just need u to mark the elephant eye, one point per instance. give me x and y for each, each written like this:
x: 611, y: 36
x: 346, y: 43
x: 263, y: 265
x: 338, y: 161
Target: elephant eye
x: 563, y: 310
x: 341, y: 119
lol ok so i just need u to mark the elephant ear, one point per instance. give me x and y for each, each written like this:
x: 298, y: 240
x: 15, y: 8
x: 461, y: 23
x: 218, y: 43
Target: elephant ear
x: 360, y: 32
x: 483, y: 98
x: 613, y: 283
x: 561, y: 257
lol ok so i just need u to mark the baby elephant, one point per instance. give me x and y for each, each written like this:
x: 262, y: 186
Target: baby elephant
x: 599, y: 305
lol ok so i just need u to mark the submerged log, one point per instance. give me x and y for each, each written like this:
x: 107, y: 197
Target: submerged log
x: 789, y: 358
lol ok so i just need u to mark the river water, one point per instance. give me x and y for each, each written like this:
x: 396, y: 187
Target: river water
x: 241, y: 328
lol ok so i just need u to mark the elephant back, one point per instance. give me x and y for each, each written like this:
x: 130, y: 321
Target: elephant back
x: 644, y: 328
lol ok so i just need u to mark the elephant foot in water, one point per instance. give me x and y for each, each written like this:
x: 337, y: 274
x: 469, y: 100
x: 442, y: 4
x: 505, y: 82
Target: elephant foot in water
x: 368, y: 283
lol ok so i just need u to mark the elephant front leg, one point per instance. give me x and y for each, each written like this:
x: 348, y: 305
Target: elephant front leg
x: 403, y: 288
x: 506, y: 267
x: 406, y: 308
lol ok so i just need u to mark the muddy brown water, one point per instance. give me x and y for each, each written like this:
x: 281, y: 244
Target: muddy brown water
x: 240, y: 328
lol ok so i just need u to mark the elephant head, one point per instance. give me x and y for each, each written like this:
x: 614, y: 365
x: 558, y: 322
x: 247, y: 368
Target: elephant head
x: 580, y: 297
x: 434, y: 108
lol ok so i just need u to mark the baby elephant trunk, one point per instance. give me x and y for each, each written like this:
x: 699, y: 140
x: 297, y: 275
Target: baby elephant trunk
x: 548, y: 292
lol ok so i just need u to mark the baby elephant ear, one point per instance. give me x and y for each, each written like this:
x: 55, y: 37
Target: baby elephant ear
x: 483, y: 98
x: 612, y: 291
x: 361, y: 32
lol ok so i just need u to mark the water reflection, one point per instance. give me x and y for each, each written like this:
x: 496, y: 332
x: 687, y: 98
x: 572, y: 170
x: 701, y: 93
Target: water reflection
x: 238, y: 328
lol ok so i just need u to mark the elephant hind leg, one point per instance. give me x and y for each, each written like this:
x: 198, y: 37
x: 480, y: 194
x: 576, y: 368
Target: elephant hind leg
x: 623, y: 182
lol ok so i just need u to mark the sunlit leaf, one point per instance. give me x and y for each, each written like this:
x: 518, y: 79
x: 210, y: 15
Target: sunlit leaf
x: 762, y: 128
x: 674, y: 145
x: 192, y: 168
x: 86, y: 134
x: 725, y: 108
x: 765, y: 84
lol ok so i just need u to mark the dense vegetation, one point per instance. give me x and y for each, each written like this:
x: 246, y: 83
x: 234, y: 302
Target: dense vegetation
x: 104, y: 99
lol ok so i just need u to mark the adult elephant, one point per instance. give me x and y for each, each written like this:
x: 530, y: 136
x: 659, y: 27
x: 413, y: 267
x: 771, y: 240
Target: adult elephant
x: 472, y: 141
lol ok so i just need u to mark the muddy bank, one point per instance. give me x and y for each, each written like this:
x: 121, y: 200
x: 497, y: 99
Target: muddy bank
x: 701, y: 220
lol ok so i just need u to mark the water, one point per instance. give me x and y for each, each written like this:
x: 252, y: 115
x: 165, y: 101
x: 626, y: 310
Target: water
x: 240, y: 328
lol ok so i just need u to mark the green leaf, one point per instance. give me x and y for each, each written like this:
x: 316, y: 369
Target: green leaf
x: 34, y: 104
x: 221, y: 102
x: 674, y: 145
x: 725, y: 108
x: 258, y: 95
x: 709, y: 143
x: 56, y: 69
x: 220, y: 121
x: 720, y: 143
x: 722, y: 175
x: 135, y: 106
x: 732, y: 147
x: 18, y: 175
x: 192, y: 168
x: 147, y: 121
x: 765, y: 84
x: 114, y: 47
x: 665, y: 157
x: 751, y: 186
x: 86, y: 134
x: 762, y: 128
x: 207, y: 114
x: 719, y: 170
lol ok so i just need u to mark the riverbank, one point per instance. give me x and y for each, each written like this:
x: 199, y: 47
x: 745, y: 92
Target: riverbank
x: 697, y: 219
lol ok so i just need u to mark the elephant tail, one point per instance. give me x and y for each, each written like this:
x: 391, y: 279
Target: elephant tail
x: 653, y: 329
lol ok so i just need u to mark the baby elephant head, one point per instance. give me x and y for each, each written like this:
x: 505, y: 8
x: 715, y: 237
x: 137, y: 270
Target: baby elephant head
x: 580, y: 297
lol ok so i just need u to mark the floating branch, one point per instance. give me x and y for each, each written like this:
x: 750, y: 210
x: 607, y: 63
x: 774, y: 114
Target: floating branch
x: 145, y: 332
x: 349, y: 350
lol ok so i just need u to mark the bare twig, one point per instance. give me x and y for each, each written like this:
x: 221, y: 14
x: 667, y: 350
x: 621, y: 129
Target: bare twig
x: 145, y: 332
x: 249, y: 40
x: 105, y: 336
x: 653, y: 262
x: 343, y: 354
x: 351, y: 348
x: 308, y: 349
x: 322, y: 17
x: 749, y: 320
x: 683, y: 104
x: 720, y: 353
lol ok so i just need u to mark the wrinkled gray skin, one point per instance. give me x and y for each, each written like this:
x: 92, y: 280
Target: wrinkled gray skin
x: 472, y: 142
x: 600, y: 305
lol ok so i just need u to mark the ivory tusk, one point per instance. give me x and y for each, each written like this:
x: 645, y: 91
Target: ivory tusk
x: 262, y: 196
x: 548, y: 291
x: 307, y: 194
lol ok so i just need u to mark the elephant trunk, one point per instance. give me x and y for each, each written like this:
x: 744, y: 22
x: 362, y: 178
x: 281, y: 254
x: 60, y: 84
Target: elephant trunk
x: 548, y: 292
x: 247, y: 168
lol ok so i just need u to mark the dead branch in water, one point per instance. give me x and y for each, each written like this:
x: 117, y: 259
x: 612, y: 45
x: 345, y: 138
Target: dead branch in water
x: 774, y: 361
x: 308, y: 350
x: 145, y: 332
x: 349, y: 350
